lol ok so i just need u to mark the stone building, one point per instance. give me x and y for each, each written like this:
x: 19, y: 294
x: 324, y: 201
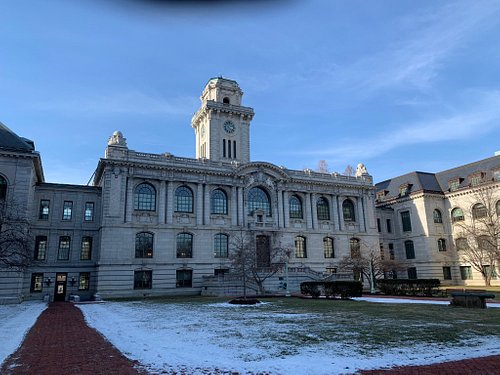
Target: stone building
x: 420, y: 217
x: 156, y: 224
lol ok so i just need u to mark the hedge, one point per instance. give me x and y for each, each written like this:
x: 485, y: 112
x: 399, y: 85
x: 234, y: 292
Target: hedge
x: 331, y: 289
x: 408, y: 287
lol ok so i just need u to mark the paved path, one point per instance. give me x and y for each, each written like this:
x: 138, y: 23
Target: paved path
x: 60, y: 342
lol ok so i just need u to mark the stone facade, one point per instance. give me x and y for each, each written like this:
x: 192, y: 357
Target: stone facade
x: 426, y: 243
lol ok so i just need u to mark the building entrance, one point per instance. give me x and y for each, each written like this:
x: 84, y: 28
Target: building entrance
x: 60, y: 288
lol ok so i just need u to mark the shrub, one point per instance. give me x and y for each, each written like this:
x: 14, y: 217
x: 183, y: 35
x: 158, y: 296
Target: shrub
x: 331, y: 289
x: 408, y: 287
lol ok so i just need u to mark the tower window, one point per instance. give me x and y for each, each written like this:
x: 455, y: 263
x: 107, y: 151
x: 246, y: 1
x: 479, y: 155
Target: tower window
x: 224, y: 148
x: 226, y: 100
x: 229, y: 149
x: 234, y: 149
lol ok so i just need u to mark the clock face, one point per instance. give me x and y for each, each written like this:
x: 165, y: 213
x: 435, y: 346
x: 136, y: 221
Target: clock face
x: 229, y: 127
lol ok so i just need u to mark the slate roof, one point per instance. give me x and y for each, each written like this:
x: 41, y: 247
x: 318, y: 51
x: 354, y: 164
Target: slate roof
x: 11, y: 141
x: 438, y: 182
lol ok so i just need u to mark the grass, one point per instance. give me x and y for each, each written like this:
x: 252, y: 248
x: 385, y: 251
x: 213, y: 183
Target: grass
x: 362, y: 326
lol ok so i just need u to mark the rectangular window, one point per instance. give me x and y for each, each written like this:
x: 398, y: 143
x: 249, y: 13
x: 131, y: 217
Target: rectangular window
x: 405, y: 219
x: 143, y: 279
x: 224, y: 148
x: 475, y: 180
x: 86, y: 250
x: 486, y: 270
x: 300, y: 247
x: 447, y: 273
x: 64, y: 245
x: 382, y: 253
x: 44, y: 209
x: 454, y: 184
x: 466, y: 272
x: 89, y: 211
x: 389, y: 225
x: 220, y: 271
x: 379, y: 228
x: 84, y: 281
x: 67, y: 210
x: 40, y: 247
x: 410, y: 250
x: 496, y: 175
x: 36, y: 282
x: 391, y: 251
x: 412, y: 272
x: 331, y: 270
x: 184, y: 278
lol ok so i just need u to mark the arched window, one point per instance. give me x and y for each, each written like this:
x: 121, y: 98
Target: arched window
x: 144, y: 245
x: 442, y: 244
x: 498, y: 208
x: 145, y: 197
x: 323, y: 209
x: 3, y: 188
x: 221, y: 245
x: 348, y: 210
x: 355, y: 248
x: 183, y: 199
x: 479, y: 211
x: 328, y: 247
x: 461, y: 244
x: 219, y: 202
x: 258, y: 200
x: 184, y: 245
x: 300, y: 247
x: 438, y: 218
x: 295, y: 207
x: 457, y: 215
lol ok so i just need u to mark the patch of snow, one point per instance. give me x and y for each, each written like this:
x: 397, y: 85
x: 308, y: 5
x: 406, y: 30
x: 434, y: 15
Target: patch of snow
x: 409, y: 300
x: 15, y: 321
x: 198, y: 337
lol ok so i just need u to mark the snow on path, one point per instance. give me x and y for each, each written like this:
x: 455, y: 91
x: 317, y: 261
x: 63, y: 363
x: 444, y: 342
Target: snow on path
x: 15, y: 322
x: 408, y: 300
x: 195, y: 337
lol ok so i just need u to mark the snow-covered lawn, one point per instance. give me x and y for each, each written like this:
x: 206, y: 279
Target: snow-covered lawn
x: 283, y: 338
x: 417, y: 301
x: 15, y: 322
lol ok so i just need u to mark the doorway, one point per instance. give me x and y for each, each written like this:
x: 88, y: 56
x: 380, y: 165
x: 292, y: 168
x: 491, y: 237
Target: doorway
x: 263, y: 248
x: 60, y: 287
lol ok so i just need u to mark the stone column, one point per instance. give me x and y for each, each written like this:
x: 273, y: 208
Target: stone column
x: 334, y: 214
x: 241, y: 208
x: 281, y: 223
x: 170, y: 202
x: 162, y: 203
x: 314, y: 199
x: 286, y: 209
x: 130, y: 200
x: 199, y: 204
x: 340, y: 214
x: 308, y: 211
x: 233, y: 205
x: 361, y: 216
x: 206, y: 209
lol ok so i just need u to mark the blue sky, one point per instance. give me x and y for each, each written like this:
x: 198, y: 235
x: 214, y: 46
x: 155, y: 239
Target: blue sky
x: 397, y: 85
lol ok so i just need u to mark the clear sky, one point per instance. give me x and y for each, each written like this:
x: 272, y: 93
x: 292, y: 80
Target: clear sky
x: 398, y: 85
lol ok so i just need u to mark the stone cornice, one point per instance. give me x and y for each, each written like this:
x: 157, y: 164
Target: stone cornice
x: 210, y: 105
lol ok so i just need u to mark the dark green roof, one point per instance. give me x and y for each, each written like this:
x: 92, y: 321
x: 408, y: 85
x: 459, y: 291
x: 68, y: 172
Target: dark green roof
x: 11, y: 141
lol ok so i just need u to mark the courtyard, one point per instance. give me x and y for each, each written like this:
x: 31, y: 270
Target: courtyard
x: 284, y: 336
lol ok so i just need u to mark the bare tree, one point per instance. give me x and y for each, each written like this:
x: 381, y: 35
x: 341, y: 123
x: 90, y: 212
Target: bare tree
x: 349, y: 171
x: 370, y: 263
x: 251, y: 262
x: 15, y: 239
x: 477, y: 239
x: 322, y: 166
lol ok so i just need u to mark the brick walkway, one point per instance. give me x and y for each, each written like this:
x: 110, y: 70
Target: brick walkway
x: 60, y: 342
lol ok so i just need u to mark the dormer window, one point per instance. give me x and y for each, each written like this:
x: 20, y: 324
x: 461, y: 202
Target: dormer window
x: 404, y: 190
x: 476, y: 179
x: 226, y: 100
x: 454, y: 184
x: 496, y: 175
x: 381, y: 195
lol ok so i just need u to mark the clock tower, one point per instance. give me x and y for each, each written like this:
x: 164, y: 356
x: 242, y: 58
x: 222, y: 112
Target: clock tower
x: 222, y: 124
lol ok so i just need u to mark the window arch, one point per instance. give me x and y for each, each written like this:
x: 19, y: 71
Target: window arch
x: 183, y: 199
x: 258, y: 200
x: 479, y: 211
x: 3, y: 187
x: 145, y: 197
x: 144, y: 245
x: 300, y: 247
x: 498, y: 208
x: 457, y: 215
x: 442, y: 244
x: 438, y: 218
x: 348, y: 210
x: 221, y: 245
x: 323, y: 209
x: 355, y: 247
x: 184, y: 245
x: 219, y: 202
x: 328, y: 248
x: 295, y: 207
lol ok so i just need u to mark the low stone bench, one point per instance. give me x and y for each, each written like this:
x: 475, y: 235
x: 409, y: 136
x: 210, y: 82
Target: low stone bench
x: 469, y: 299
